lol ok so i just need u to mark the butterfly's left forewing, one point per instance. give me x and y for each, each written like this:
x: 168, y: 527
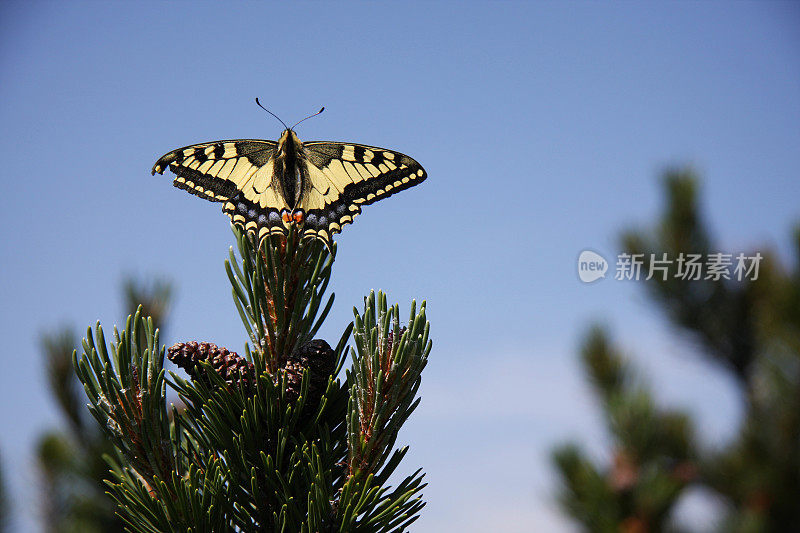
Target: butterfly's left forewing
x: 345, y: 176
x: 218, y: 170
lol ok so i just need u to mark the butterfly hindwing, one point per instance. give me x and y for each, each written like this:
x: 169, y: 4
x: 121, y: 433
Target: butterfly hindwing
x: 257, y: 207
x: 345, y: 176
x: 216, y: 170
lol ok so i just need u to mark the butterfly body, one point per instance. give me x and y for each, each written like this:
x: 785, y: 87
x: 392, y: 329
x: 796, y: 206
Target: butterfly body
x: 270, y: 187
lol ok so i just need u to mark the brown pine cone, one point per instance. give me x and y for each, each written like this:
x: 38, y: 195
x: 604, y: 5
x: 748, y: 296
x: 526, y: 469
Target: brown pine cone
x: 294, y: 379
x: 318, y: 357
x: 235, y: 370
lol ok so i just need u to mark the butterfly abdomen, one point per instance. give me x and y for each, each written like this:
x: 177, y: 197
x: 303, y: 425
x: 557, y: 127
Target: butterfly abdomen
x: 289, y: 170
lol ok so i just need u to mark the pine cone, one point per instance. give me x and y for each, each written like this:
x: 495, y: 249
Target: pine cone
x: 235, y: 370
x: 294, y: 379
x: 318, y: 357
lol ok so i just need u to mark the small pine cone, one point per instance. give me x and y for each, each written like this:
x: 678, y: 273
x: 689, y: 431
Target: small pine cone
x: 318, y: 357
x: 234, y: 368
x: 187, y: 354
x: 294, y: 379
x: 229, y: 365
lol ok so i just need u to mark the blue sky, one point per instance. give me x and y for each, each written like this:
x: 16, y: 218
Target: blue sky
x: 543, y: 128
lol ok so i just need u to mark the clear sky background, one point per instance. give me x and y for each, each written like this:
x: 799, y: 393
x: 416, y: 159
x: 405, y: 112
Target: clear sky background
x: 543, y: 127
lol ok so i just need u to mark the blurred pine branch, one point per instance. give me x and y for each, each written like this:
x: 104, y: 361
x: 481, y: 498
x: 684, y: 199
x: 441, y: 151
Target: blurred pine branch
x: 70, y: 459
x: 751, y: 328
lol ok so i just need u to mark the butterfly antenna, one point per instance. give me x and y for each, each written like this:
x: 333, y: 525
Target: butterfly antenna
x: 273, y: 114
x: 309, y: 116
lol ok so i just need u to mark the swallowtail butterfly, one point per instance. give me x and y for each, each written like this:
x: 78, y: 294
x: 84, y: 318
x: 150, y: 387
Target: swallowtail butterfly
x: 268, y: 187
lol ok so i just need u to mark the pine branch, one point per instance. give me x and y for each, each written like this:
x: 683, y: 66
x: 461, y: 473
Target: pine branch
x: 586, y: 494
x: 127, y: 394
x: 716, y: 313
x: 605, y: 367
x: 384, y: 380
x: 194, y: 501
x: 262, y: 442
x: 154, y: 297
x: 278, y: 292
x: 57, y: 348
x: 753, y: 328
x: 654, y: 455
x: 71, y: 462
